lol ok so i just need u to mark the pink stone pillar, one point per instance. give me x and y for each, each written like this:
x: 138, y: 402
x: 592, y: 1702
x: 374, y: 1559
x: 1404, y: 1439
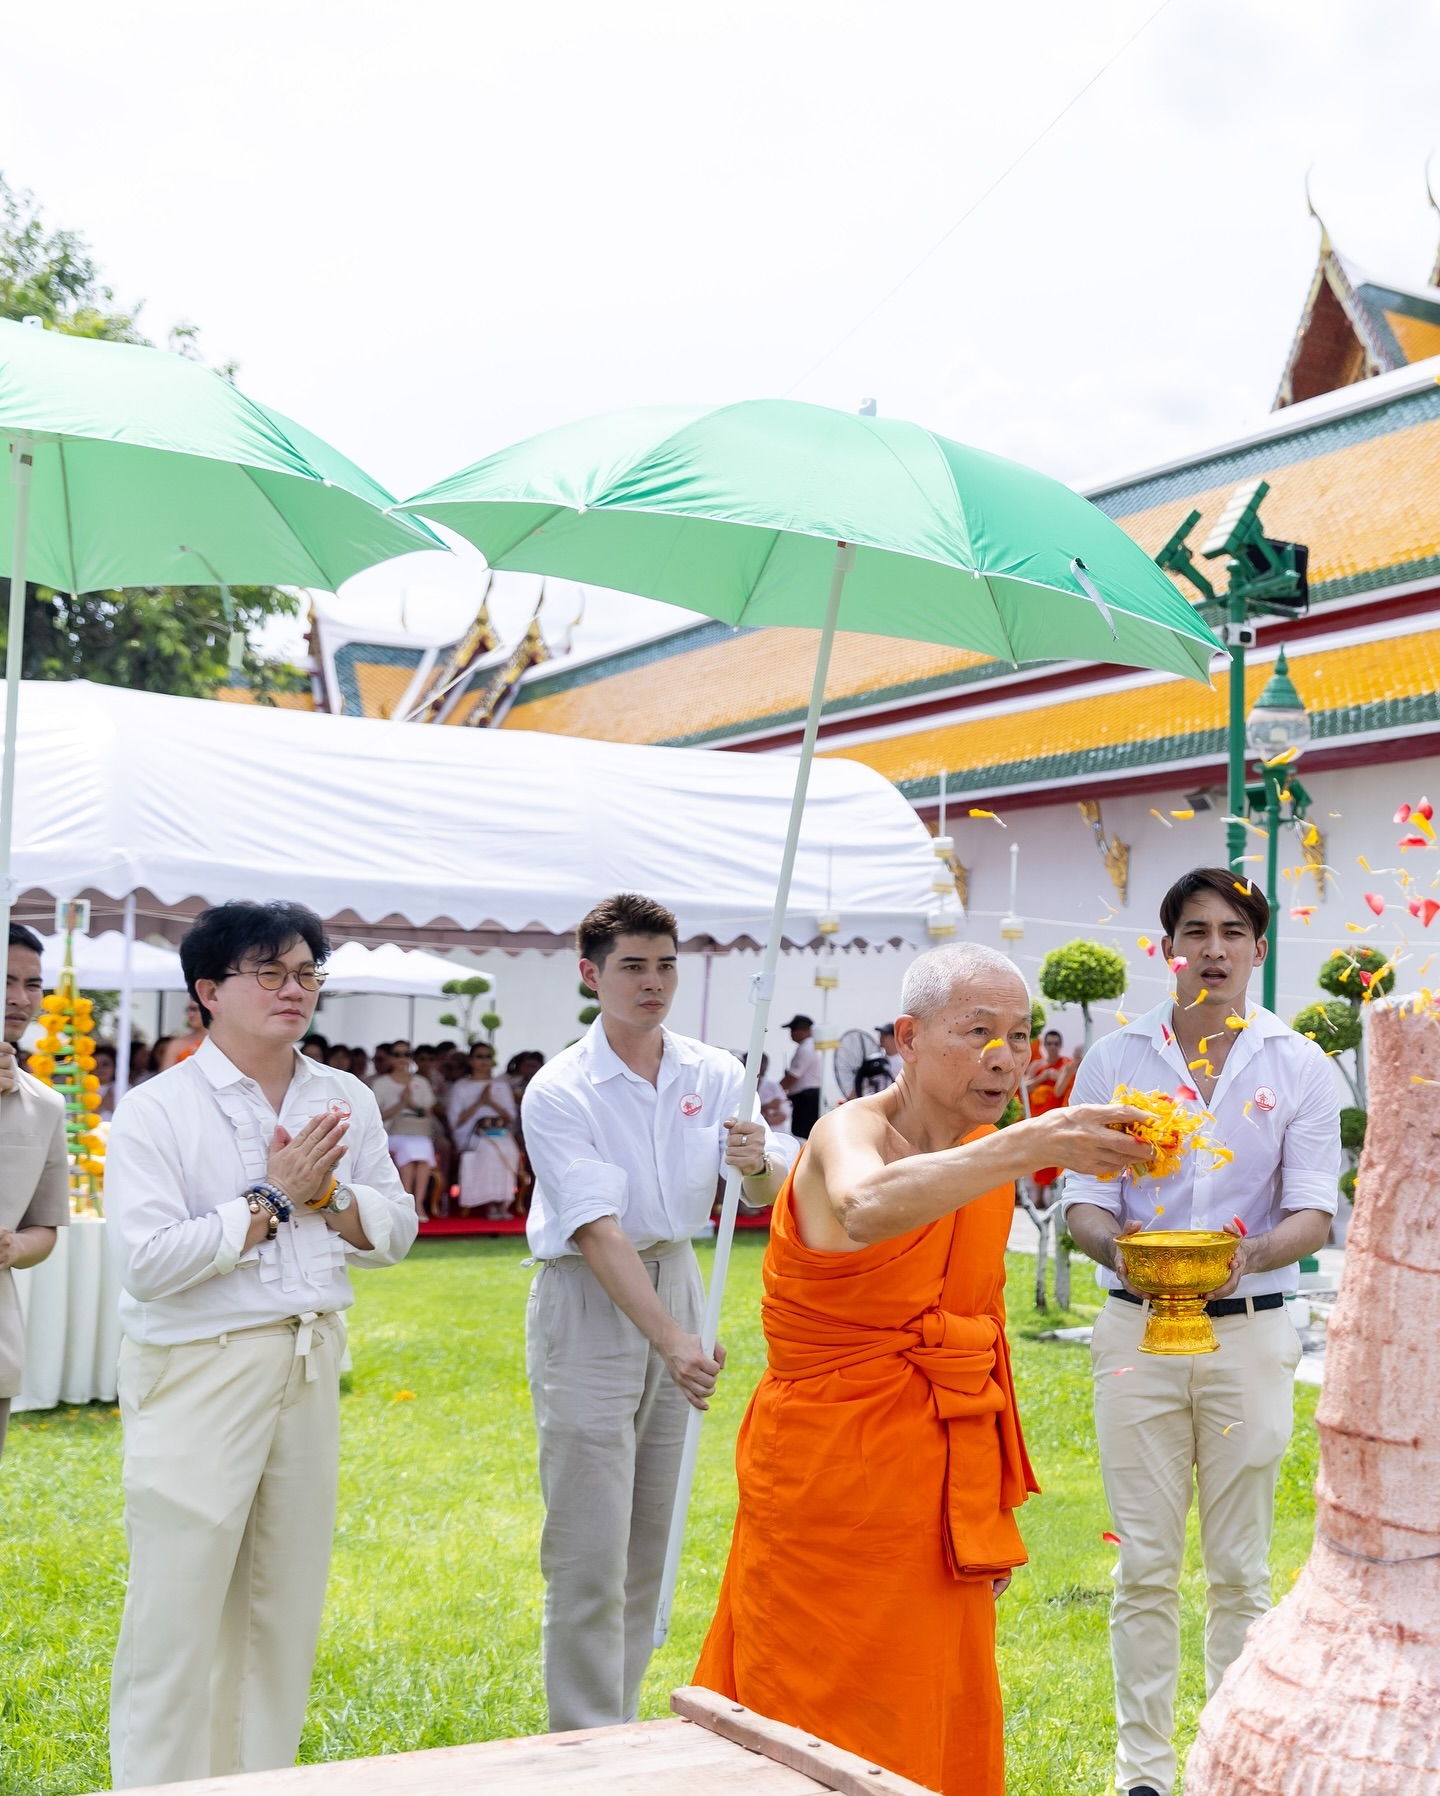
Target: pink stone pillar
x: 1337, y: 1692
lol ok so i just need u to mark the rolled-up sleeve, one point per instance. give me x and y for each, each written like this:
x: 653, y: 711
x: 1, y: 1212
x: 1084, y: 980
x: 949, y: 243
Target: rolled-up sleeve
x: 579, y: 1186
x: 1094, y: 1084
x: 159, y: 1248
x: 1310, y: 1158
x: 387, y: 1211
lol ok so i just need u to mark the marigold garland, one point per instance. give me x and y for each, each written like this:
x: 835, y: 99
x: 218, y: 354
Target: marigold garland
x: 64, y: 1058
x: 1170, y: 1128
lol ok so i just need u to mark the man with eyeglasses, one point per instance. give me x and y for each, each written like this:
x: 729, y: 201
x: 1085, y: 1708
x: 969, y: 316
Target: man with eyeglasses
x: 239, y: 1185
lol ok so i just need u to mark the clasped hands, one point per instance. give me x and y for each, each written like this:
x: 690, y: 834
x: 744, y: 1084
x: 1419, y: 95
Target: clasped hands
x: 303, y: 1165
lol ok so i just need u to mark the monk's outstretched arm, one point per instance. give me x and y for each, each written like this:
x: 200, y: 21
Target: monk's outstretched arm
x: 875, y: 1199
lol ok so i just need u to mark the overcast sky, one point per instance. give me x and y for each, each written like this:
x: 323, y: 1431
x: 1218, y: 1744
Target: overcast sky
x: 429, y: 230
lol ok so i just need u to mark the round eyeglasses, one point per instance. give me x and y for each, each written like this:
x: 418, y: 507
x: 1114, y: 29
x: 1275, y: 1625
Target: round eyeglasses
x: 272, y: 975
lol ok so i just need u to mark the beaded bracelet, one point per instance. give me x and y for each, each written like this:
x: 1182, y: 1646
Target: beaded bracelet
x: 262, y: 1195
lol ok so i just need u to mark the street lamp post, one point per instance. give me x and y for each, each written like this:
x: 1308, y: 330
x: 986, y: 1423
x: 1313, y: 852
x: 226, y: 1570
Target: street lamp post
x: 1266, y: 575
x: 1277, y: 730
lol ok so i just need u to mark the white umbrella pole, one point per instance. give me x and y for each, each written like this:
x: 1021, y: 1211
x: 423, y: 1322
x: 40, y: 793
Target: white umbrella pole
x: 21, y: 457
x: 762, y: 990
x: 123, y: 1020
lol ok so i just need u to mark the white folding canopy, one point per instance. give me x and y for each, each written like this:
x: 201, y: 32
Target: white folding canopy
x: 416, y: 835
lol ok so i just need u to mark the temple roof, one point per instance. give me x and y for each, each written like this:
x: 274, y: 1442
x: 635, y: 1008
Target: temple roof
x: 1354, y: 327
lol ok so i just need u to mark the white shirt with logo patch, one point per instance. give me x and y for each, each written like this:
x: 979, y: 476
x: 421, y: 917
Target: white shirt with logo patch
x: 605, y: 1142
x: 1276, y: 1106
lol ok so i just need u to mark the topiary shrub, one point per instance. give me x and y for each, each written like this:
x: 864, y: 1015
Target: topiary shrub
x: 1083, y: 973
x: 1037, y: 1019
x: 1347, y: 1183
x: 1334, y: 1024
x: 1012, y: 1113
x: 1352, y: 1129
x: 589, y: 1013
x: 1340, y: 975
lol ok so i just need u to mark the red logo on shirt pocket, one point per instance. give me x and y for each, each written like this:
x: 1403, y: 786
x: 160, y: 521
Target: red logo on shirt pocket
x: 691, y: 1104
x: 1264, y: 1098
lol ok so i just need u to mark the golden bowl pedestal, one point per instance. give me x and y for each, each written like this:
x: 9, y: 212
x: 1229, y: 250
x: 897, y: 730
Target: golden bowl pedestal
x: 1177, y: 1269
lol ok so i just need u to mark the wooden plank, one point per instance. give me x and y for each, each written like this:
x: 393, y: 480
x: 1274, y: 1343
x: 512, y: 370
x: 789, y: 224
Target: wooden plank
x: 830, y: 1766
x: 650, y: 1758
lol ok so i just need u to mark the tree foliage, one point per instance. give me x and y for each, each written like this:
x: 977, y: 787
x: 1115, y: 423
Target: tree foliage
x: 1333, y: 1023
x: 154, y: 638
x: 1352, y: 1129
x: 1037, y: 1018
x: 1340, y: 975
x: 1083, y: 973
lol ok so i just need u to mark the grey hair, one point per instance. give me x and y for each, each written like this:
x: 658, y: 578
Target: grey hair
x: 932, y: 977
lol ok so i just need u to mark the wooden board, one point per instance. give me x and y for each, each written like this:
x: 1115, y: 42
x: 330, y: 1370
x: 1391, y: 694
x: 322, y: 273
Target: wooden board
x: 652, y: 1758
x: 715, y: 1748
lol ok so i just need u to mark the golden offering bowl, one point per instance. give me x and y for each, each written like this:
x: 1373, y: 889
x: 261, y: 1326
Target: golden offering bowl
x: 1177, y: 1269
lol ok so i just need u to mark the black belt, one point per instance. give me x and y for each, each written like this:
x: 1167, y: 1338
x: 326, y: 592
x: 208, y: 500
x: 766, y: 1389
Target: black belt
x: 1224, y: 1306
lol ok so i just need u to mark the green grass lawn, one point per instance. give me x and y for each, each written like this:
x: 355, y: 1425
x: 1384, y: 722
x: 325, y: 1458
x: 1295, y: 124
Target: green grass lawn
x: 432, y: 1626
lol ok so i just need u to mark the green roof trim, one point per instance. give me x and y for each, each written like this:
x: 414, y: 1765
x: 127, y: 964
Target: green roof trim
x: 352, y: 655
x: 644, y: 654
x: 1133, y: 757
x: 1124, y: 500
x: 1408, y: 305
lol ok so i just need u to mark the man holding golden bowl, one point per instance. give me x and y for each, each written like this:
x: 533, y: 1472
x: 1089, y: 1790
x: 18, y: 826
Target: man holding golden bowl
x: 1170, y: 1422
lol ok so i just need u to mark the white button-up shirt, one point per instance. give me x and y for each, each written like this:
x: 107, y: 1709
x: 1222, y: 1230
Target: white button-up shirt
x: 1276, y: 1105
x: 605, y: 1142
x: 182, y: 1149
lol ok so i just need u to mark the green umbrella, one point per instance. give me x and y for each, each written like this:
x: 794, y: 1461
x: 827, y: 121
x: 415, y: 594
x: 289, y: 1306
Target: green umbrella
x: 135, y: 467
x: 775, y: 512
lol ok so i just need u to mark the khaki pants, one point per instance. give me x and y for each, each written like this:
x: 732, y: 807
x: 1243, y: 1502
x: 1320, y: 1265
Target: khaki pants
x: 1219, y: 1422
x: 611, y: 1424
x: 230, y: 1471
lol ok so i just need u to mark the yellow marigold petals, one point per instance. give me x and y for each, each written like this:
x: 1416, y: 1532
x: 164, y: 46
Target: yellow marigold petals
x: 991, y: 815
x: 996, y: 1043
x: 1183, y: 815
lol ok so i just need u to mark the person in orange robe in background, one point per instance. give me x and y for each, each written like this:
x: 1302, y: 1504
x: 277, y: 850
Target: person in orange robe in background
x: 1048, y: 1064
x: 881, y: 1460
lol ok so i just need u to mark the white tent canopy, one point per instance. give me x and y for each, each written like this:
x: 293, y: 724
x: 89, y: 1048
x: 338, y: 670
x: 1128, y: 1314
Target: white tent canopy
x: 412, y: 834
x: 99, y: 962
x: 388, y: 970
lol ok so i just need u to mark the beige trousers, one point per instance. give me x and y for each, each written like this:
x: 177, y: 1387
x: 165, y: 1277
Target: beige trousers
x: 1219, y: 1423
x: 611, y: 1424
x: 230, y: 1470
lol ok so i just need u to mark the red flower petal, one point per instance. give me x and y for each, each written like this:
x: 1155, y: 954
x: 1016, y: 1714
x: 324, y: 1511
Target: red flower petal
x: 1185, y: 1094
x: 1376, y: 903
x: 1413, y: 842
x: 1425, y: 909
x: 1111, y: 1540
x: 1426, y: 810
x: 1366, y: 979
x: 1403, y: 814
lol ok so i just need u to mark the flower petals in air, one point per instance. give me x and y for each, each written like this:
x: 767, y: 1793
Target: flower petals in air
x: 1184, y: 815
x: 1240, y: 1225
x: 1180, y: 960
x: 1304, y: 912
x: 1376, y: 903
x: 1145, y: 943
x: 1425, y: 809
x: 1426, y: 909
x: 403, y: 1397
x: 996, y: 1043
x: 1111, y: 1540
x: 991, y: 815
x: 1412, y: 842
x: 1185, y: 1094
x: 1311, y: 836
x: 1403, y: 814
x: 1123, y: 1020
x: 1163, y: 818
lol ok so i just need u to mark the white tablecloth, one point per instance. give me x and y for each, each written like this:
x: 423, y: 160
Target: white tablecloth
x: 72, y: 1322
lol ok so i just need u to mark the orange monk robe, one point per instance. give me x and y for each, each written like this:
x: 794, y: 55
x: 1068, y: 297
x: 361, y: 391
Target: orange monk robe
x: 879, y: 1463
x: 1043, y: 1099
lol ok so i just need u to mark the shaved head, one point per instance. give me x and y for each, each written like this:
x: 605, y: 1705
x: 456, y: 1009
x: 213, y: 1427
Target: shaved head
x: 932, y: 979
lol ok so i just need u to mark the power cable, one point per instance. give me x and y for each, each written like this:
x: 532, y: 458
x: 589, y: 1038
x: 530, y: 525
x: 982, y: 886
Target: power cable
x: 975, y: 205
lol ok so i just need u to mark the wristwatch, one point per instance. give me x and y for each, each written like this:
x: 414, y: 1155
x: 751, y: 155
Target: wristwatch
x: 341, y: 1198
x: 760, y: 1172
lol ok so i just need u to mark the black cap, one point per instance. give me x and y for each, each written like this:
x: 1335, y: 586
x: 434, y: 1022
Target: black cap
x: 884, y: 1028
x: 799, y: 1022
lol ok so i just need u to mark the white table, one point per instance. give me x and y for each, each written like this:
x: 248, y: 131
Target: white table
x: 72, y: 1322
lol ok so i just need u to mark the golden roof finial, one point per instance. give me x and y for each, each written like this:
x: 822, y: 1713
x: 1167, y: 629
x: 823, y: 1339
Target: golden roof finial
x: 1326, y: 246
x: 1430, y: 195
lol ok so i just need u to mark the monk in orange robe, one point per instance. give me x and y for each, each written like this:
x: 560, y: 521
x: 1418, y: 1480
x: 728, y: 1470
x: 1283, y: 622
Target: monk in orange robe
x: 881, y: 1460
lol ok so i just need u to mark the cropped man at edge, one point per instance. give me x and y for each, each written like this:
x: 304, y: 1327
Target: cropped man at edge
x: 1221, y: 1421
x: 627, y: 1131
x: 34, y: 1172
x: 239, y: 1184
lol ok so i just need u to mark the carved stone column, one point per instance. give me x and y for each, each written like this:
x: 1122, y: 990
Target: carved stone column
x: 1337, y: 1692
